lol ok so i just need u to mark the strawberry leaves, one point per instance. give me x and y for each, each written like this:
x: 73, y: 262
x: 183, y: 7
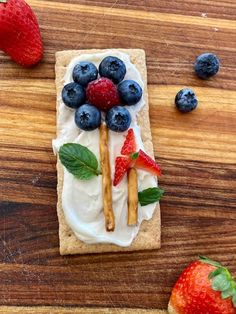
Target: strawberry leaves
x: 206, y: 260
x: 221, y: 280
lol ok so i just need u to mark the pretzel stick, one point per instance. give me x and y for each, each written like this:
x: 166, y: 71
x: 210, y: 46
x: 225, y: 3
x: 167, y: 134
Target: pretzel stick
x: 106, y: 179
x: 132, y: 197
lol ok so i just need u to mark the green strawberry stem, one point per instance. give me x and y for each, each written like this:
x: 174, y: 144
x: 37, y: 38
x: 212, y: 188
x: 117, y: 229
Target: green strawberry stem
x: 134, y: 156
x: 3, y: 1
x: 221, y: 280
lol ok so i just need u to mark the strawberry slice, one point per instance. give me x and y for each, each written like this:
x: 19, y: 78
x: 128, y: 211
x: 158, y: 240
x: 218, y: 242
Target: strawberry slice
x: 122, y: 164
x: 129, y: 145
x: 144, y: 162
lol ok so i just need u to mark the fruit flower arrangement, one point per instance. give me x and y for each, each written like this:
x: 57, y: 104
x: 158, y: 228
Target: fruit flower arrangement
x: 101, y: 98
x: 91, y: 95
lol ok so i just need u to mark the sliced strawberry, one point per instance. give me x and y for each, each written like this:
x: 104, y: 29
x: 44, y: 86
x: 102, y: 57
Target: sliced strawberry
x: 122, y: 164
x: 144, y: 162
x: 129, y: 145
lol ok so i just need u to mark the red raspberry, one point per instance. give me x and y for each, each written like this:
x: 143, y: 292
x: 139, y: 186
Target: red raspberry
x: 102, y: 93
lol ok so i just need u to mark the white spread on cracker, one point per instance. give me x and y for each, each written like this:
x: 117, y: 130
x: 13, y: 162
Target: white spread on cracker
x: 82, y: 200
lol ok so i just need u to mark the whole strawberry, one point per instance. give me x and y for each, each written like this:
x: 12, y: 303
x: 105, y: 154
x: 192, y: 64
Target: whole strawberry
x: 19, y: 32
x: 204, y: 287
x: 102, y: 93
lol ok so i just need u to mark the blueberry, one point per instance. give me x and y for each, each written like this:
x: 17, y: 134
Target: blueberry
x: 186, y: 100
x: 73, y: 95
x: 206, y: 65
x: 85, y: 72
x: 87, y: 117
x: 130, y: 92
x: 112, y: 68
x: 118, y: 119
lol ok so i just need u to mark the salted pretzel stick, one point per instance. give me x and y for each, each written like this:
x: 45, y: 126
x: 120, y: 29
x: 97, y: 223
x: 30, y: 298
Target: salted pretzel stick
x: 106, y: 179
x: 132, y: 197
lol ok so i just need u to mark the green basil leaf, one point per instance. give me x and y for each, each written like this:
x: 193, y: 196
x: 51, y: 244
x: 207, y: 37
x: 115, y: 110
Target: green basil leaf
x: 150, y: 195
x: 79, y: 161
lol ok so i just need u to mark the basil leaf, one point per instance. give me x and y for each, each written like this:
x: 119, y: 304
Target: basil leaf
x: 150, y: 195
x: 79, y: 161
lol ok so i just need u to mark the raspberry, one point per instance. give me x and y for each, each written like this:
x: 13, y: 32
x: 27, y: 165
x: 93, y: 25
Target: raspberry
x: 102, y: 93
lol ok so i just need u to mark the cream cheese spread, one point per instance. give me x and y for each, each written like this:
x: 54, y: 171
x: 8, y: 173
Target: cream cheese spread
x: 82, y: 200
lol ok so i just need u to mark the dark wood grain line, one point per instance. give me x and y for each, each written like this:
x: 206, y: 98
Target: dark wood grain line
x: 211, y: 8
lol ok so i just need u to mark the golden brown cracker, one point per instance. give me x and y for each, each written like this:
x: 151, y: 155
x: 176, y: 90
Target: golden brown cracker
x: 150, y: 231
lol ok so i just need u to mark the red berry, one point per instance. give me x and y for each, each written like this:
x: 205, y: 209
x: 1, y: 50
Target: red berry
x: 122, y: 164
x: 144, y: 162
x: 19, y: 33
x: 102, y: 93
x: 129, y: 145
x: 193, y: 293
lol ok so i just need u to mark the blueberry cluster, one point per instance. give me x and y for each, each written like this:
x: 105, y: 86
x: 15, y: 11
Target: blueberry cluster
x: 88, y: 115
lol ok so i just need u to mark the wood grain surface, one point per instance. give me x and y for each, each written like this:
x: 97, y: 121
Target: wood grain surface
x: 197, y: 152
x: 74, y: 310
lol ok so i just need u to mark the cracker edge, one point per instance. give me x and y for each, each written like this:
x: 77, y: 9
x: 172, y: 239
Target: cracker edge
x: 149, y: 236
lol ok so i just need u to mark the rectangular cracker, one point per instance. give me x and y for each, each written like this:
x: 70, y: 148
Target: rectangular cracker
x: 150, y: 231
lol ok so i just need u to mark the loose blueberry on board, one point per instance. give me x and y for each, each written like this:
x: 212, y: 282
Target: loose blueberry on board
x: 186, y: 100
x: 87, y: 117
x: 206, y: 65
x: 118, y: 119
x: 112, y: 68
x: 102, y: 93
x: 85, y: 72
x: 130, y: 92
x: 73, y: 95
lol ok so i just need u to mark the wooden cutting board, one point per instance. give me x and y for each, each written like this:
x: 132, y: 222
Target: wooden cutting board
x: 197, y: 152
